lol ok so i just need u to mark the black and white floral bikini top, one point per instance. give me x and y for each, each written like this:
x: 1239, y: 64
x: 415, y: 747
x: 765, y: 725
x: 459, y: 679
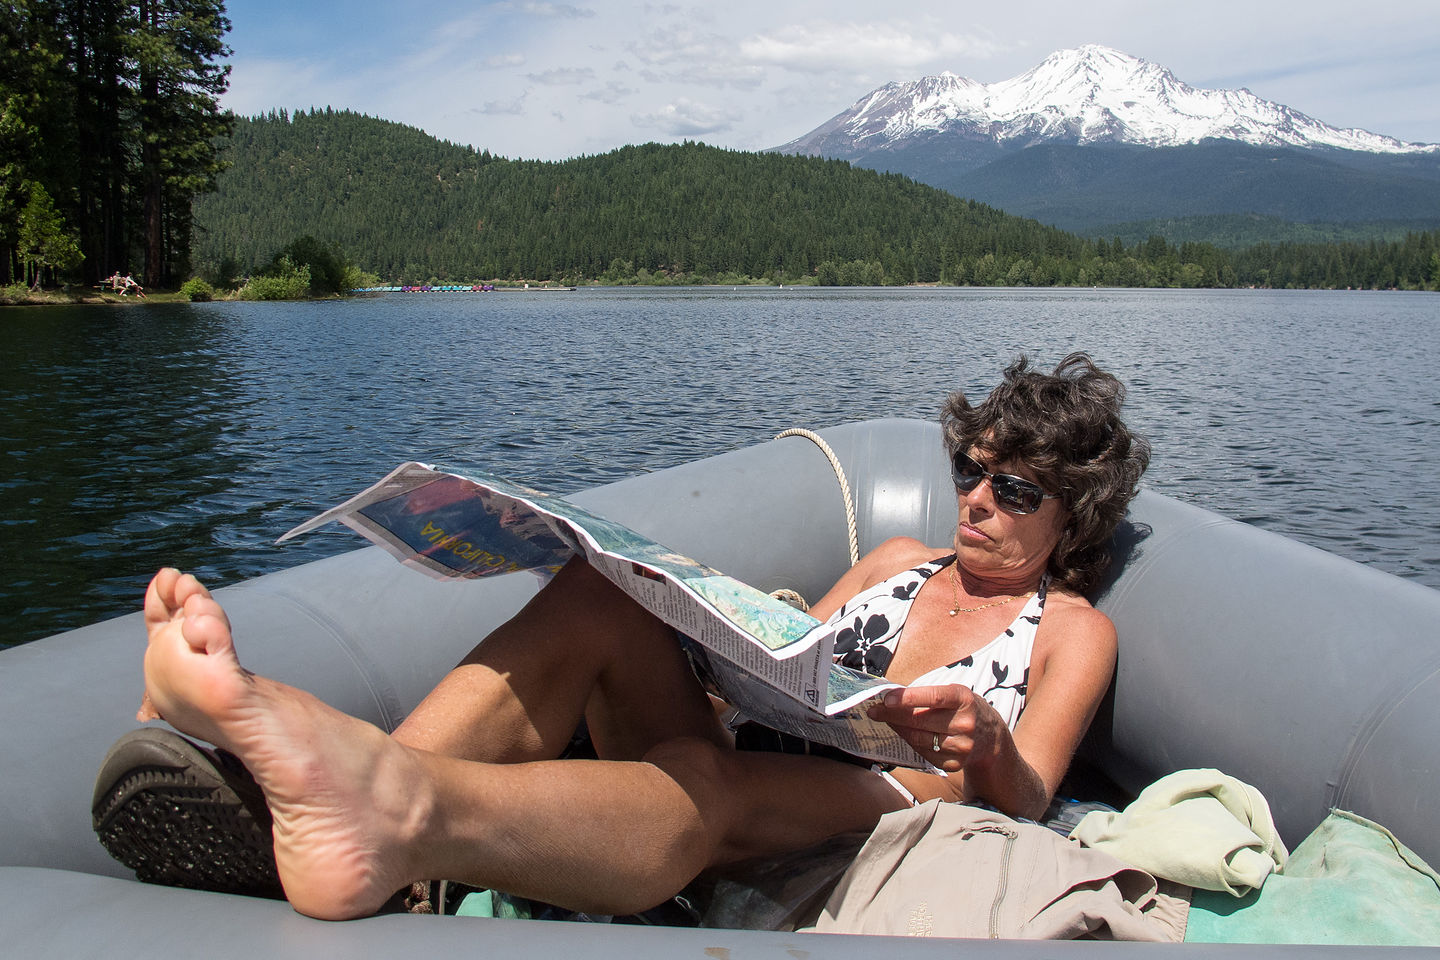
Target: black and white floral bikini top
x: 869, y: 626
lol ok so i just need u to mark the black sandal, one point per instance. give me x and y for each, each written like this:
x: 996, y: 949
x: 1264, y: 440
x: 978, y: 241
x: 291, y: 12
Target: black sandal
x: 184, y: 815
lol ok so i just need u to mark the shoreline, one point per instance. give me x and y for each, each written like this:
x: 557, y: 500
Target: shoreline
x: 74, y: 299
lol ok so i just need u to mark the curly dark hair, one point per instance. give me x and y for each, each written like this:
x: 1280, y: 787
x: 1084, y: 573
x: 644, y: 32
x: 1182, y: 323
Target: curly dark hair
x: 1066, y: 427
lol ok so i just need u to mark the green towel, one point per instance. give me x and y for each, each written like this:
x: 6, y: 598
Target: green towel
x: 1349, y: 882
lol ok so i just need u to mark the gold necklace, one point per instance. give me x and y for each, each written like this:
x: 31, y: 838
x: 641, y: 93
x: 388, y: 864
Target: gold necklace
x: 955, y: 593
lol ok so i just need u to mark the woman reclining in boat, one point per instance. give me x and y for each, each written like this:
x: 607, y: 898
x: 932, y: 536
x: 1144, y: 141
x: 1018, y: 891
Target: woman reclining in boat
x: 468, y: 788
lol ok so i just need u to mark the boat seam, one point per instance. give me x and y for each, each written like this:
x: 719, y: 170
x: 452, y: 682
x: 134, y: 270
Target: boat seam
x: 1390, y: 701
x: 362, y: 664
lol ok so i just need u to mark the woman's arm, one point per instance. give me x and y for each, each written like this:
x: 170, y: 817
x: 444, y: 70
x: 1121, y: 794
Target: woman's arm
x: 1018, y: 773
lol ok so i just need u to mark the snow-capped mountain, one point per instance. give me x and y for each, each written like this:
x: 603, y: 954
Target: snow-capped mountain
x: 1089, y: 95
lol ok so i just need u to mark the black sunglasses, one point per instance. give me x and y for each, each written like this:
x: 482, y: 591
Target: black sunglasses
x: 1013, y: 494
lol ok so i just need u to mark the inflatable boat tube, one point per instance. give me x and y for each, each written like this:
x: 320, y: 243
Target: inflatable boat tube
x: 1312, y: 677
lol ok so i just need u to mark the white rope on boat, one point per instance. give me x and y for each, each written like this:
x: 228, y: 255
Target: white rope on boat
x: 819, y: 441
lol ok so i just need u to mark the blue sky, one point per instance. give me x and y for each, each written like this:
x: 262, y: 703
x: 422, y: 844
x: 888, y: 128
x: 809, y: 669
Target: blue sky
x: 549, y: 80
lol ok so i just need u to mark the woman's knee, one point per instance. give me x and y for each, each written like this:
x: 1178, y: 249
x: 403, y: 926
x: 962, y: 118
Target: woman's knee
x: 578, y: 608
x: 579, y: 580
x: 701, y: 768
x: 586, y: 598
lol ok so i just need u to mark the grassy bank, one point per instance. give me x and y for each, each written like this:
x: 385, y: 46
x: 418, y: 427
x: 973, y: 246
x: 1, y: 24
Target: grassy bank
x: 18, y: 294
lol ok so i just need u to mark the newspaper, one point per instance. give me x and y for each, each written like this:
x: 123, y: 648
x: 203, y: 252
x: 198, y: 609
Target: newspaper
x: 761, y: 655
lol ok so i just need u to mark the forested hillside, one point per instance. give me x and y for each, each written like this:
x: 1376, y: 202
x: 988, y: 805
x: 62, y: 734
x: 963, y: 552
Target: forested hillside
x: 1087, y: 188
x: 414, y: 209
x: 1235, y: 231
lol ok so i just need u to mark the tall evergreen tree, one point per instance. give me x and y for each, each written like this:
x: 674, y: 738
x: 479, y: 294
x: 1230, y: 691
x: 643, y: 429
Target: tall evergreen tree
x: 175, y: 48
x: 93, y: 137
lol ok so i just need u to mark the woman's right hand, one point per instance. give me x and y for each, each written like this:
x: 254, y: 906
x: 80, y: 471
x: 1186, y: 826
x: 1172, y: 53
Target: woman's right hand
x: 949, y: 725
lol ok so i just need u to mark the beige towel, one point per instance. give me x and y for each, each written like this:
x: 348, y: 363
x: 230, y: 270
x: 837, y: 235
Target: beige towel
x: 1201, y: 828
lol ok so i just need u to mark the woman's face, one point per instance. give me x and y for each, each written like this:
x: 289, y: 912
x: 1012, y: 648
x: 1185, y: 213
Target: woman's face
x: 995, y: 544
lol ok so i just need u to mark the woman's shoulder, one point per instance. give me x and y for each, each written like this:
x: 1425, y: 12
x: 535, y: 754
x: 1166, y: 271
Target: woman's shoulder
x: 1071, y: 619
x: 900, y: 553
x: 1071, y: 607
x: 894, y: 556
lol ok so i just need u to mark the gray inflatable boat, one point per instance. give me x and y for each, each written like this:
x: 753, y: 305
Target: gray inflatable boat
x: 1311, y: 677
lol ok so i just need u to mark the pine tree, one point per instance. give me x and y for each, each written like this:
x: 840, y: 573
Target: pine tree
x: 175, y: 48
x: 29, y: 98
x: 44, y: 241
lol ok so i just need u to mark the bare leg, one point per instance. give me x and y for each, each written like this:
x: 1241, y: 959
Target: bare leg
x: 619, y: 837
x: 359, y: 815
x: 581, y: 647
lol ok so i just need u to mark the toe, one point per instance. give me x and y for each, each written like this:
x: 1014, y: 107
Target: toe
x: 160, y: 602
x: 207, y: 632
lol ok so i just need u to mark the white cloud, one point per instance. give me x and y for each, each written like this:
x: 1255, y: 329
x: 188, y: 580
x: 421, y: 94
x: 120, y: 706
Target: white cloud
x: 258, y: 85
x: 685, y: 118
x: 448, y: 45
x: 564, y: 76
x: 672, y: 44
x: 831, y: 47
x: 681, y: 54
x: 538, y: 8
x: 514, y: 107
x: 708, y: 73
x: 612, y: 93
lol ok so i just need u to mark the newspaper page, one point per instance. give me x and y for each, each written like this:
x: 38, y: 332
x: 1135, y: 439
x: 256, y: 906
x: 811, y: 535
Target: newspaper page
x: 463, y: 527
x: 763, y: 655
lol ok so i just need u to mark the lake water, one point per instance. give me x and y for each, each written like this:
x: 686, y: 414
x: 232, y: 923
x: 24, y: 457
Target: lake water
x: 194, y: 435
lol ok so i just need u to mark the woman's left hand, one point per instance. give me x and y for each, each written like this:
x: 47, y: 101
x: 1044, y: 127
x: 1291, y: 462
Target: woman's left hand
x: 950, y: 725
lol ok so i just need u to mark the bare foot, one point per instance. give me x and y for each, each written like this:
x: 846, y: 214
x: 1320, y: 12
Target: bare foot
x: 347, y: 801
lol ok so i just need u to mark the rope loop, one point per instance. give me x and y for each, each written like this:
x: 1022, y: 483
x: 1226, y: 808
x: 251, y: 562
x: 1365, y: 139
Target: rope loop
x: 819, y: 441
